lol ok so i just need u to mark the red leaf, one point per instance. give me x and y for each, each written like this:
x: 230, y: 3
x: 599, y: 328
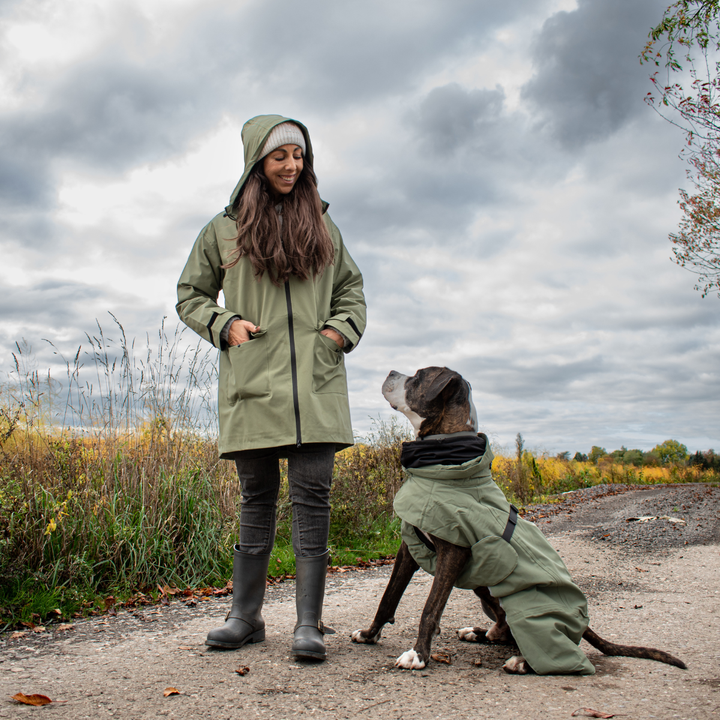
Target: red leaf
x: 589, y: 712
x: 442, y: 657
x: 36, y: 700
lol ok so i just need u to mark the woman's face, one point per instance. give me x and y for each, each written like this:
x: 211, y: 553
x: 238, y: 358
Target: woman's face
x: 282, y: 168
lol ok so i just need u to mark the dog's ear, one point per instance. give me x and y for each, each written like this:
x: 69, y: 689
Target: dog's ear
x: 445, y: 383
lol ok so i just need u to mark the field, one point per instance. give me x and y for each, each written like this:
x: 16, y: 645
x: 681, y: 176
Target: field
x: 111, y: 489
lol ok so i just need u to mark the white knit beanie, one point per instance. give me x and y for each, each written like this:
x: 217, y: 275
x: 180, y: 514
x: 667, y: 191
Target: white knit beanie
x: 284, y: 134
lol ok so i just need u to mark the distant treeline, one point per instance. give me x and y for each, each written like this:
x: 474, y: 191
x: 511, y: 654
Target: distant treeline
x: 671, y: 452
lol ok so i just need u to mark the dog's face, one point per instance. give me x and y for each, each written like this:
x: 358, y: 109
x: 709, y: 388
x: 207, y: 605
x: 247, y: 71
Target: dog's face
x: 436, y: 401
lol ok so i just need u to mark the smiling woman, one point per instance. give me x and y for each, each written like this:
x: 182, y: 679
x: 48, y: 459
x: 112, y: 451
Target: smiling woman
x: 282, y: 168
x: 279, y: 214
x: 294, y: 306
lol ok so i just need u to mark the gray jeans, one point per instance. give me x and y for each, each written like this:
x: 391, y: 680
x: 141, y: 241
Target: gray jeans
x: 310, y: 469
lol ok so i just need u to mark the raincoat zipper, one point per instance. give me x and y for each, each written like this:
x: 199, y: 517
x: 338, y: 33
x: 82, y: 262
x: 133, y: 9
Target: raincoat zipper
x: 293, y: 363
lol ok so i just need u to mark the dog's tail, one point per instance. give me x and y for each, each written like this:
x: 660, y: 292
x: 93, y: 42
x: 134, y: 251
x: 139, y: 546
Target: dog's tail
x: 608, y: 648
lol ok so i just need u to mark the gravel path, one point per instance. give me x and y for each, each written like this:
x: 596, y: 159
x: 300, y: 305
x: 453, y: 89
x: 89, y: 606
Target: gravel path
x: 648, y: 581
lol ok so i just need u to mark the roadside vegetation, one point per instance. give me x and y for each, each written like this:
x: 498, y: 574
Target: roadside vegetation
x: 111, y: 489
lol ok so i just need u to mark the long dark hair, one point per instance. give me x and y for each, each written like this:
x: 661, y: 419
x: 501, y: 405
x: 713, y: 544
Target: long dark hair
x: 298, y: 245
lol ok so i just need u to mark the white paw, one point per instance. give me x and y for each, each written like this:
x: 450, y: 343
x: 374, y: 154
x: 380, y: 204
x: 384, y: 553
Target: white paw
x: 467, y: 634
x: 516, y: 665
x: 410, y: 660
x: 358, y: 637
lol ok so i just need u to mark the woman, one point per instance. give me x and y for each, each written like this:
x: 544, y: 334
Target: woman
x: 293, y: 305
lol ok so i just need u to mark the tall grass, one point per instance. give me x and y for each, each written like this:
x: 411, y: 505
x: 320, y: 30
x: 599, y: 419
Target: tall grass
x: 110, y: 481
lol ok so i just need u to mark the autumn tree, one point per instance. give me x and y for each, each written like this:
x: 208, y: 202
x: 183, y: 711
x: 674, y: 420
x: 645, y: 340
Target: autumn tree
x: 685, y: 47
x: 671, y: 451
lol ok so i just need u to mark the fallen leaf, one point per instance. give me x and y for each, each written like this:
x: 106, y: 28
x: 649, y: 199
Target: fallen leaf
x: 17, y: 635
x: 39, y: 629
x: 63, y: 628
x: 171, y: 691
x: 589, y: 712
x: 185, y: 647
x: 36, y: 700
x: 243, y: 670
x: 441, y: 657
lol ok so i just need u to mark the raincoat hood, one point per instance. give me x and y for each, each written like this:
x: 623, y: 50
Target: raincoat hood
x: 254, y: 134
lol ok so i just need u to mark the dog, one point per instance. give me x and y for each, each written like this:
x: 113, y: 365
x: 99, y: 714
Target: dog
x: 438, y: 403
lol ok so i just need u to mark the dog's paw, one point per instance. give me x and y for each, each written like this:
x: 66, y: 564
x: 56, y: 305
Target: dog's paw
x: 517, y: 665
x: 467, y: 634
x: 410, y: 660
x: 360, y: 636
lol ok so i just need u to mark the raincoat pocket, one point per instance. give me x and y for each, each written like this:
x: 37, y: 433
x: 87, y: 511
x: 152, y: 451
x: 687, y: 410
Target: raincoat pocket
x: 492, y: 561
x: 328, y: 367
x: 250, y: 368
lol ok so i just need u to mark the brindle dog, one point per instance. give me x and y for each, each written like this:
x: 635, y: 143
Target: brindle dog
x: 438, y: 401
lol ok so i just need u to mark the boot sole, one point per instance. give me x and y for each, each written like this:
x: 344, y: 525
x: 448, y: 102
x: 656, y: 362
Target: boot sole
x: 256, y: 637
x: 309, y: 655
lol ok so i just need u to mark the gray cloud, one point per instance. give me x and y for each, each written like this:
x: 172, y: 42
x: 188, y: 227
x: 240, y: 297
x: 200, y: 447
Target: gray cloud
x: 68, y: 310
x: 589, y: 82
x: 48, y: 302
x: 131, y: 103
x: 451, y: 118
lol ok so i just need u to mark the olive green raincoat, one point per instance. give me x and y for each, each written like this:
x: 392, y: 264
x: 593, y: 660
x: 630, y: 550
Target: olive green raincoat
x: 286, y: 386
x: 461, y: 504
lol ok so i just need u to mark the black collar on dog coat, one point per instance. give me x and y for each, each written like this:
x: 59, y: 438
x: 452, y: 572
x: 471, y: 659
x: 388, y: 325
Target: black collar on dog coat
x: 454, y: 449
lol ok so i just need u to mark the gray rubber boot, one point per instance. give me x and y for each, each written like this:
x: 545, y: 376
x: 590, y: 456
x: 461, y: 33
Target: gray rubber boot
x: 309, y: 594
x: 244, y: 623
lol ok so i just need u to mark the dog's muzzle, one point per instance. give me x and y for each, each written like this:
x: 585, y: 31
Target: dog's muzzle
x: 392, y: 383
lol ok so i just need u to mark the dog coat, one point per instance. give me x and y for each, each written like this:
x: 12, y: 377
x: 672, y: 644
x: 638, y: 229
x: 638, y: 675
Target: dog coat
x: 459, y: 502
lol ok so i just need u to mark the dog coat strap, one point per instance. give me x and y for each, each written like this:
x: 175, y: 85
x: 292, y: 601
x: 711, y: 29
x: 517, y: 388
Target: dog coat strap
x: 511, y: 523
x: 424, y: 539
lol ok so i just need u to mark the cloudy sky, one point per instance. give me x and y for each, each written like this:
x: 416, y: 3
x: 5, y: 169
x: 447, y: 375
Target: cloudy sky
x: 493, y: 167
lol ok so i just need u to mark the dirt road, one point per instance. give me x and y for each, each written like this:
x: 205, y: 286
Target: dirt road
x: 650, y: 581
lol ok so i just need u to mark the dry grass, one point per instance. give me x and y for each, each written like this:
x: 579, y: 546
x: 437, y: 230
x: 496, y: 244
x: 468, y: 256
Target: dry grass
x: 110, y: 481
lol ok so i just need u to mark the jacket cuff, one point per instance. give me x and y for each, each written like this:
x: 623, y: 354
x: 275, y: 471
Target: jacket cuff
x: 216, y: 325
x: 347, y: 328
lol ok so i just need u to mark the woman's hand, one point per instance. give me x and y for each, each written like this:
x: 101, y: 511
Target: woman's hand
x: 240, y: 332
x: 333, y: 335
